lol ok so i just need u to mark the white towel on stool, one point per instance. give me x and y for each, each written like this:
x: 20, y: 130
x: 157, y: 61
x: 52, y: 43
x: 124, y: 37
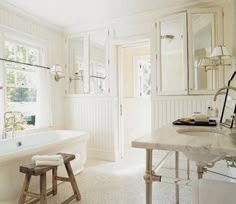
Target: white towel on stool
x: 56, y: 157
x: 49, y: 163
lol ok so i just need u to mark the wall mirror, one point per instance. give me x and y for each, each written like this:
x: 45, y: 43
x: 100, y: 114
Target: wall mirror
x: 229, y: 107
x: 172, y: 52
x: 205, y: 33
x: 78, y: 65
x: 88, y: 63
x: 98, y: 47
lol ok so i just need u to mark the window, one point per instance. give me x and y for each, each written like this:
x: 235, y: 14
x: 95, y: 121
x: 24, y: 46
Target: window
x: 143, y: 75
x: 22, y: 81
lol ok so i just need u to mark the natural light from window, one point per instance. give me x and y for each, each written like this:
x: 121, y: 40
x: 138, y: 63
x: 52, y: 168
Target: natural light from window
x: 21, y: 82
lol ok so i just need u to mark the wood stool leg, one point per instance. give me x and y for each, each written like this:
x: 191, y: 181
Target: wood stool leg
x: 54, y: 181
x: 73, y: 181
x: 25, y: 189
x: 43, y: 190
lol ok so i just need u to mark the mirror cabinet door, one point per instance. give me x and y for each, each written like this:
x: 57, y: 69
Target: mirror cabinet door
x: 205, y: 28
x: 88, y: 63
x: 78, y: 65
x: 98, y: 45
x: 172, y: 49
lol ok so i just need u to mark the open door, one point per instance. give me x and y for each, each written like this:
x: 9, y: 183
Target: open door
x: 134, y: 71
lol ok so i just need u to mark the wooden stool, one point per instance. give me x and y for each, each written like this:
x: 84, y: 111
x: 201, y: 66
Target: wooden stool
x: 71, y: 178
x: 32, y: 170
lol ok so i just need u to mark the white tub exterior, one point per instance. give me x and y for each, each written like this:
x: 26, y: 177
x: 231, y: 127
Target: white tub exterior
x: 46, y: 142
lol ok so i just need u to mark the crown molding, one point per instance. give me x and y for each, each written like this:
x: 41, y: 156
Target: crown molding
x: 144, y: 17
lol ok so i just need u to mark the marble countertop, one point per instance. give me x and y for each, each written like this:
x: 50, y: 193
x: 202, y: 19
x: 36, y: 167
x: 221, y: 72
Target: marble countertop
x: 168, y: 138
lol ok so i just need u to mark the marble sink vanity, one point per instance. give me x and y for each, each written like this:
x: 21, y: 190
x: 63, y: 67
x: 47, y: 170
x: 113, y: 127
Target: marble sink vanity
x: 204, y: 145
x: 203, y: 156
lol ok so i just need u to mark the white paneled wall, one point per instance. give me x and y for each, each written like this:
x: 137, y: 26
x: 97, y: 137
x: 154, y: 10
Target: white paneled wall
x: 166, y: 109
x: 96, y: 115
x: 17, y: 23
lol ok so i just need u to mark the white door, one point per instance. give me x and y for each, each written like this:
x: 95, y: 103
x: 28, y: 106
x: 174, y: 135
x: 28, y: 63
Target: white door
x: 134, y: 93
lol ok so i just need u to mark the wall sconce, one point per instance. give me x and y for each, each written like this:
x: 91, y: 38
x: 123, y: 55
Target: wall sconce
x: 220, y: 52
x: 219, y: 57
x: 207, y: 64
x: 57, y: 71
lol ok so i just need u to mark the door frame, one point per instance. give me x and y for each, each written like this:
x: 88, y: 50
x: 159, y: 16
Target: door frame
x: 120, y: 84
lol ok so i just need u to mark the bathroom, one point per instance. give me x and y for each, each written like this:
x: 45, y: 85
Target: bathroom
x: 103, y: 69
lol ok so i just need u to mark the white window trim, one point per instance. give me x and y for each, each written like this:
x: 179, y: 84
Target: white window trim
x: 29, y: 41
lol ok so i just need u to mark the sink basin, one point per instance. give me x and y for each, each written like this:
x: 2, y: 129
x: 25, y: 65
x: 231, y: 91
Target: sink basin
x: 199, y: 132
x: 204, y: 137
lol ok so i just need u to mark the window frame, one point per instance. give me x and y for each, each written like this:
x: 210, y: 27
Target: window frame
x: 27, y: 41
x: 136, y: 78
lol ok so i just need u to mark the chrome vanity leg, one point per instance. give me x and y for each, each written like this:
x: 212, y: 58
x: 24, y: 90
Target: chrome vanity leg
x: 148, y: 176
x: 177, y: 176
x: 188, y: 169
x: 200, y: 171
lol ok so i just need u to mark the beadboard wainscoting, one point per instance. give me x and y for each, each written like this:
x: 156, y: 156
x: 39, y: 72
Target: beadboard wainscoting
x: 166, y: 109
x: 98, y: 116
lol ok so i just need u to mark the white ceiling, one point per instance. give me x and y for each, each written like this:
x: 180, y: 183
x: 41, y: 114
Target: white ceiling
x: 65, y: 13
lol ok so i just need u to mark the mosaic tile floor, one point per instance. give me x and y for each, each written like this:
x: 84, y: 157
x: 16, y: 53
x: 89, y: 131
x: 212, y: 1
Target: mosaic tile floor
x: 122, y: 182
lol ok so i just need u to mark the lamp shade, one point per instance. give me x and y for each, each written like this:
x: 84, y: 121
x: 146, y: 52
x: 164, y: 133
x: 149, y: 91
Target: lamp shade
x: 205, y: 62
x: 56, y: 68
x: 220, y: 52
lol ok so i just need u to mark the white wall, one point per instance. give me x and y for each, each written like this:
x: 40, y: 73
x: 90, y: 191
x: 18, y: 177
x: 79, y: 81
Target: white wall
x: 14, y: 21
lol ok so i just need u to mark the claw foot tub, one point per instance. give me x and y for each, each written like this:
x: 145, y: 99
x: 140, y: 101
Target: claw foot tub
x: 19, y: 150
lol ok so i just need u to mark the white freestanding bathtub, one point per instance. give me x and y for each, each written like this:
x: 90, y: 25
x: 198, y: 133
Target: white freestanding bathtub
x: 19, y: 150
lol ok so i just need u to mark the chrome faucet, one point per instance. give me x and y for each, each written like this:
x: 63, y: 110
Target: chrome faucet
x: 220, y: 91
x: 7, y: 120
x: 228, y: 122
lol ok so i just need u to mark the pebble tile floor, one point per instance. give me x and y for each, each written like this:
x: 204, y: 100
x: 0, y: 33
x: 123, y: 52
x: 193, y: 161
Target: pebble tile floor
x: 121, y: 182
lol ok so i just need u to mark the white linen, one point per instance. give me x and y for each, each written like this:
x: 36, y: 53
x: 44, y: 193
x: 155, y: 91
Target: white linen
x: 49, y: 163
x: 47, y: 158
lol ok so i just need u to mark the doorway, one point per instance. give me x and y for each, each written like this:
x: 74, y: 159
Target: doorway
x: 134, y: 65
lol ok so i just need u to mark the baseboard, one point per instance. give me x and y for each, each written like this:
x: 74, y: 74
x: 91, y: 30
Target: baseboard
x: 101, y: 154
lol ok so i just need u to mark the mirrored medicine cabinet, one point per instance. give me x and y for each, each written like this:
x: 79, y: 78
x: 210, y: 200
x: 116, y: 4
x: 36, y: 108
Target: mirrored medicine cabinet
x: 183, y: 40
x: 172, y: 49
x: 88, y: 63
x: 205, y: 32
